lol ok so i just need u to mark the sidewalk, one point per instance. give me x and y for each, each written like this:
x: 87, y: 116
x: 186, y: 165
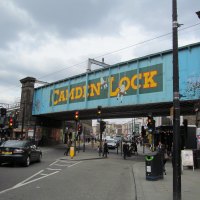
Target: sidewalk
x: 161, y: 189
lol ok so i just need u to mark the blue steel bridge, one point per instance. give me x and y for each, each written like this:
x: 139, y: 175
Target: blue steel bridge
x: 133, y: 88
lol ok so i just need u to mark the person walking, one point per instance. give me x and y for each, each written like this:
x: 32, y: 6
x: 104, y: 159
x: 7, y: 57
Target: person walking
x: 134, y: 147
x: 69, y: 143
x: 105, y: 149
x: 125, y: 149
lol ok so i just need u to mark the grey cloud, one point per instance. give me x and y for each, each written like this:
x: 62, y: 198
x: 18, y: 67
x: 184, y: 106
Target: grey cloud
x: 66, y: 19
x: 9, y: 27
x: 72, y: 18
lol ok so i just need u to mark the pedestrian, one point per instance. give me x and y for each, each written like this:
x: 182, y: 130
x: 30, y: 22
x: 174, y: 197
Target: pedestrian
x: 134, y: 147
x: 105, y: 149
x: 125, y: 149
x: 163, y: 153
x: 69, y: 143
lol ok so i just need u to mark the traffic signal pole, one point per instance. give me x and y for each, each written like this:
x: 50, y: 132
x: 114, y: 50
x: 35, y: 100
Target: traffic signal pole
x: 76, y: 118
x: 76, y: 132
x: 84, y: 140
x: 99, y: 108
x: 100, y: 145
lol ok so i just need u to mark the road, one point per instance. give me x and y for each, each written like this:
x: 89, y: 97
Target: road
x: 59, y: 178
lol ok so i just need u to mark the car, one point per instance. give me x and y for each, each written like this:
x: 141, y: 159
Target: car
x: 111, y: 144
x: 118, y: 138
x: 19, y: 152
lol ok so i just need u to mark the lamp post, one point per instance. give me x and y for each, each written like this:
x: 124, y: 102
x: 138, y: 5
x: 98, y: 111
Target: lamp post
x: 176, y: 106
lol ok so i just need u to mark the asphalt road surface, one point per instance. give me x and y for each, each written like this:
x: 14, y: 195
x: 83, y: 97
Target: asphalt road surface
x: 58, y: 179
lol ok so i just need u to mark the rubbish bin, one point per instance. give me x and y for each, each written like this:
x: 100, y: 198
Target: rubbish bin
x: 154, y: 166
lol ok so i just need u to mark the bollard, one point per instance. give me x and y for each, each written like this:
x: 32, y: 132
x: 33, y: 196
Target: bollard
x: 71, y: 152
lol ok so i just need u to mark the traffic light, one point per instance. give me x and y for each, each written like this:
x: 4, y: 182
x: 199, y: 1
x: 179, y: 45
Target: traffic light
x: 151, y: 124
x: 10, y: 122
x: 76, y: 116
x: 3, y: 112
x: 102, y: 126
x: 99, y: 111
x: 185, y: 124
x: 79, y: 129
x: 143, y: 132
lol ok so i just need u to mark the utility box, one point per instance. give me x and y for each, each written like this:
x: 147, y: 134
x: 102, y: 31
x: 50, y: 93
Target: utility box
x: 154, y: 166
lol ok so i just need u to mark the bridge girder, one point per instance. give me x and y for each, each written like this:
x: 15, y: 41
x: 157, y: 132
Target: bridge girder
x: 161, y: 109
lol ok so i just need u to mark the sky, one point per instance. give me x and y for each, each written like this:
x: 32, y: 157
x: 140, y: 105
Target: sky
x: 52, y: 39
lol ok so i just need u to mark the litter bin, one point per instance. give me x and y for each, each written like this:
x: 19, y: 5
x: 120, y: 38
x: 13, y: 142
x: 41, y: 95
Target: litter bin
x: 154, y: 166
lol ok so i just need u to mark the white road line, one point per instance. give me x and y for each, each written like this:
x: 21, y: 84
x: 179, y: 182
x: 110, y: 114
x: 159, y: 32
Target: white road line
x: 3, y: 191
x: 22, y: 184
x: 29, y: 178
x: 53, y: 163
x: 44, y: 174
x: 61, y: 165
x: 67, y: 161
x: 26, y: 181
x: 53, y: 169
x: 75, y: 164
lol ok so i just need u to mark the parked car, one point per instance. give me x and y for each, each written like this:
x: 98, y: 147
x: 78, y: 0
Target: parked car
x: 111, y: 144
x: 20, y: 152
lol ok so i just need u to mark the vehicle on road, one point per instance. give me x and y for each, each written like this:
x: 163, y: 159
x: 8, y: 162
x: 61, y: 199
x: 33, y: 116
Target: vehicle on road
x: 111, y: 144
x: 19, y: 152
x: 118, y: 138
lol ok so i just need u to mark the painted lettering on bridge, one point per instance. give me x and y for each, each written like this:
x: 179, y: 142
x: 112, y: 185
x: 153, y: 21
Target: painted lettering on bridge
x: 137, y: 81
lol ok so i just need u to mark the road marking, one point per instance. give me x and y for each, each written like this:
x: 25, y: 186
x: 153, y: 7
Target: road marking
x: 74, y: 164
x: 41, y: 174
x: 25, y: 182
x: 53, y: 163
x: 3, y: 191
x: 30, y: 177
x: 61, y: 165
x: 22, y: 184
x: 66, y: 163
x: 44, y: 174
x: 53, y: 169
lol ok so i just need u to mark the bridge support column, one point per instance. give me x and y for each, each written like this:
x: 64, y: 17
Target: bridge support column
x: 26, y: 120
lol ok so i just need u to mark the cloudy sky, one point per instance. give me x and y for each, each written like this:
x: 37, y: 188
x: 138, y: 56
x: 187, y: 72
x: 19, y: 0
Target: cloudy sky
x: 52, y: 39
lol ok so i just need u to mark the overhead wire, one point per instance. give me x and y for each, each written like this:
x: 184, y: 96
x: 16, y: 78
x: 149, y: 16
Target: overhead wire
x: 115, y: 51
x: 124, y: 48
